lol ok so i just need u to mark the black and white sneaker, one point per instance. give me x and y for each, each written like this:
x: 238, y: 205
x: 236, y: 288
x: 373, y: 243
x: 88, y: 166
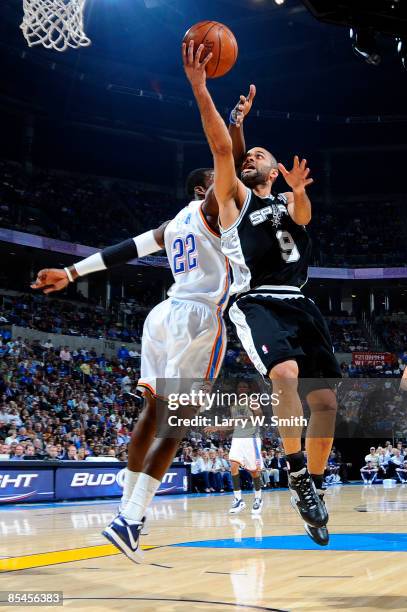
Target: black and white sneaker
x: 319, y: 535
x: 237, y: 506
x: 125, y: 534
x: 305, y: 499
x: 257, y: 506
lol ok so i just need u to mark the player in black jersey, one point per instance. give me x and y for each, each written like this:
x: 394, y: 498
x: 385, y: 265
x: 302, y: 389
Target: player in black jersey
x: 265, y: 238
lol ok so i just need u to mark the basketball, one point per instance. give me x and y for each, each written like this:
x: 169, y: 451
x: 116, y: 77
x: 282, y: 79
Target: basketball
x: 220, y: 41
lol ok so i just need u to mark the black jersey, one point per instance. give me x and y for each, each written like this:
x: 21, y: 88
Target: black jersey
x: 265, y: 246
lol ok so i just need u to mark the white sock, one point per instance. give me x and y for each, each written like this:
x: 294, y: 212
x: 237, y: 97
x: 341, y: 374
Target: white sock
x: 257, y: 494
x: 141, y: 497
x: 237, y: 494
x: 130, y: 480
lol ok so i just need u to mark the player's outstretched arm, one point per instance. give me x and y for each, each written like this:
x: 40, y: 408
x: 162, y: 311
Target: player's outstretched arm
x: 236, y: 120
x: 230, y: 193
x: 403, y: 383
x: 55, y: 279
x: 299, y: 204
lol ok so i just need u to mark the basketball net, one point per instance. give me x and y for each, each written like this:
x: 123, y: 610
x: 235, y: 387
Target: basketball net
x: 55, y: 24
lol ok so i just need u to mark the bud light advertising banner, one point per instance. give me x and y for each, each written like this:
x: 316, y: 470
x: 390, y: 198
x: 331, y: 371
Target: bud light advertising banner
x: 90, y: 482
x: 20, y: 485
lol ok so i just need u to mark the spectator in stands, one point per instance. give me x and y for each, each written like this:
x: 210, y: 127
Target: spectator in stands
x: 82, y: 453
x: 123, y: 353
x: 38, y: 447
x: 65, y: 356
x: 372, y: 457
x: 401, y: 473
x: 215, y: 469
x: 4, y: 449
x: 332, y: 470
x: 18, y: 453
x: 197, y: 481
x: 369, y: 473
x: 72, y: 454
x: 395, y: 461
x: 22, y: 435
x: 52, y: 453
x: 225, y: 471
x: 29, y: 454
x: 12, y: 437
x: 273, y: 473
x: 126, y: 381
x: 86, y: 372
x: 204, y: 466
x: 279, y: 463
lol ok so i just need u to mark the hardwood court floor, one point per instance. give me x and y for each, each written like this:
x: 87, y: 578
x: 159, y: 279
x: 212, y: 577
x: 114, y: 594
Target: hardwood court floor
x: 201, y: 559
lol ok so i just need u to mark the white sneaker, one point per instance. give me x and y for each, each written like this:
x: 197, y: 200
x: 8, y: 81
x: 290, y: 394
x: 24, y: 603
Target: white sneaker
x: 237, y: 506
x: 257, y: 506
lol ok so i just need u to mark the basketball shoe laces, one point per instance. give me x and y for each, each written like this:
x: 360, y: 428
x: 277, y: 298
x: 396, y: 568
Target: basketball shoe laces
x: 306, y: 491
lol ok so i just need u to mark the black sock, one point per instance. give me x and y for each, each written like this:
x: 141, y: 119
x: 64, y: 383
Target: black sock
x: 236, y: 482
x: 257, y: 483
x: 296, y: 461
x: 318, y: 480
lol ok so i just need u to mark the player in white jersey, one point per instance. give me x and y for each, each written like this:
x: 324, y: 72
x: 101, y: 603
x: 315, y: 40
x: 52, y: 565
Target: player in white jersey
x: 245, y: 450
x: 183, y: 337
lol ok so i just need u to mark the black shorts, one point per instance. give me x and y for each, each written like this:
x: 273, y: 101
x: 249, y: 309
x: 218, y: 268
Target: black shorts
x: 275, y: 329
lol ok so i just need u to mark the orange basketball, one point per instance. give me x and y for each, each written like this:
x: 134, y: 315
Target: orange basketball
x: 217, y: 39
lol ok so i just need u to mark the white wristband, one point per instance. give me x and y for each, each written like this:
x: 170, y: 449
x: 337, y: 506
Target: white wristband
x: 93, y: 263
x: 69, y: 275
x: 146, y: 244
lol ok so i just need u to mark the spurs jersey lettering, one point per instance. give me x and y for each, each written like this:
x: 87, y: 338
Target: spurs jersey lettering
x: 264, y: 245
x: 199, y: 267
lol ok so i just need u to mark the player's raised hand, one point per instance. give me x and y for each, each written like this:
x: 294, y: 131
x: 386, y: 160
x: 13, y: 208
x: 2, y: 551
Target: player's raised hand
x: 297, y: 178
x: 243, y: 107
x: 194, y: 66
x: 51, y: 279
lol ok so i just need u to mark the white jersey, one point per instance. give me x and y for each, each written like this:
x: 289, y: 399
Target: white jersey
x: 200, y: 269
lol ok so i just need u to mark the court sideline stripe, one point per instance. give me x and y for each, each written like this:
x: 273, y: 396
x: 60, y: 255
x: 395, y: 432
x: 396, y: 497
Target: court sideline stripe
x: 13, y: 564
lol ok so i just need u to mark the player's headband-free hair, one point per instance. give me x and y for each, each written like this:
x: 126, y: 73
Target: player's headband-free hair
x: 139, y: 246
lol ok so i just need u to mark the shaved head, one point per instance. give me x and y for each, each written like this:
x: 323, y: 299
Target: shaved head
x: 259, y: 166
x: 269, y: 156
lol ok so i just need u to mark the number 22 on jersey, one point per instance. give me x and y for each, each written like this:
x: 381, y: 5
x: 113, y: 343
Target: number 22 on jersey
x: 184, y: 254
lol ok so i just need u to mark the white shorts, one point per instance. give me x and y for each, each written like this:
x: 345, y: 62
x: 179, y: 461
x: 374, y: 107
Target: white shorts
x: 247, y: 452
x: 182, y: 339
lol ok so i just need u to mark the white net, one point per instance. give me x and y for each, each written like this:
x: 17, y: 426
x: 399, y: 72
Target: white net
x: 55, y: 24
